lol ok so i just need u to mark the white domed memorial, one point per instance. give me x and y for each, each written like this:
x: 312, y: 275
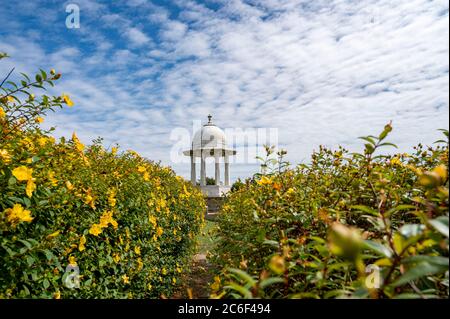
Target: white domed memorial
x: 210, y: 141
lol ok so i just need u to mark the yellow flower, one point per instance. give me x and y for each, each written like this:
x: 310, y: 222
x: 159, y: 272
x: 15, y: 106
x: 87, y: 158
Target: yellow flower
x: 111, y: 198
x: 72, y: 261
x: 57, y: 295
x: 67, y: 100
x: 146, y: 176
x: 114, y: 150
x: 69, y: 185
x: 290, y: 191
x: 114, y: 223
x: 116, y: 258
x: 10, y: 99
x: 174, y: 280
x: 441, y: 171
x: 436, y: 176
x: 39, y: 119
x: 78, y: 145
x: 164, y: 271
x: 186, y: 191
x: 126, y: 279
x: 277, y: 265
x: 140, y: 264
x: 216, y: 284
x: 265, y: 181
x: 137, y: 250
x: 396, y: 161
x: 2, y: 112
x: 95, y: 230
x: 159, y: 231
x: 82, y: 246
x: 152, y: 220
x: 141, y: 169
x: 52, y: 179
x: 276, y: 186
x: 89, y: 200
x: 4, y: 156
x: 30, y: 188
x: 53, y: 235
x: 18, y: 214
x: 42, y: 141
x: 23, y: 173
x: 105, y: 219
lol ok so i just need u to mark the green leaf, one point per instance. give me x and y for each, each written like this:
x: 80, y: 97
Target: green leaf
x: 34, y: 275
x: 399, y: 208
x: 388, y: 144
x: 243, y: 275
x: 437, y: 260
x: 26, y: 243
x: 242, y: 290
x: 48, y: 254
x: 272, y: 243
x: 441, y: 225
x: 27, y: 202
x: 270, y: 281
x: 25, y: 76
x: 365, y: 209
x: 46, y: 283
x: 11, y: 181
x: 386, y: 131
x: 369, y: 148
x: 444, y: 131
x: 368, y: 139
x: 378, y: 248
x: 43, y: 74
x: 30, y: 261
x: 422, y: 269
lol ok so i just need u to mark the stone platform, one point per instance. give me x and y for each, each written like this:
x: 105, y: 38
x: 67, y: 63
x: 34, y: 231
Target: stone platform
x: 214, y: 198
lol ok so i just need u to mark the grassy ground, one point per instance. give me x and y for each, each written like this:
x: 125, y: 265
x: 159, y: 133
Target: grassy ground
x: 206, y: 239
x: 195, y: 283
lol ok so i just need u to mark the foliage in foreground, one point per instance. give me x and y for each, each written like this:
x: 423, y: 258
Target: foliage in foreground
x: 125, y: 223
x: 347, y: 225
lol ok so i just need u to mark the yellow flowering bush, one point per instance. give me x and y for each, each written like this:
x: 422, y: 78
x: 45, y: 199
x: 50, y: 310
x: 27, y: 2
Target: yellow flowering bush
x: 122, y: 225
x: 346, y: 225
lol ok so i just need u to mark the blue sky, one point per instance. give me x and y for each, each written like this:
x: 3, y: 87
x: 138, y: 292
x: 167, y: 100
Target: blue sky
x: 321, y: 72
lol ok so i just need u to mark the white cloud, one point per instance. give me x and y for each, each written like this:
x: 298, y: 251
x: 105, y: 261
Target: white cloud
x: 137, y: 37
x: 173, y: 31
x: 322, y: 72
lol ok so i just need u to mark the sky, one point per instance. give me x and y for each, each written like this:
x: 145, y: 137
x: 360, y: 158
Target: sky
x: 318, y: 72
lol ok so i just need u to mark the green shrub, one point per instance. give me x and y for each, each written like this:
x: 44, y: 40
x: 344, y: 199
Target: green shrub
x: 325, y: 229
x: 127, y: 223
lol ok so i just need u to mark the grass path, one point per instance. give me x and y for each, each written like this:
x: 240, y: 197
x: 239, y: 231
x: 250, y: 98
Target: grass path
x: 195, y: 283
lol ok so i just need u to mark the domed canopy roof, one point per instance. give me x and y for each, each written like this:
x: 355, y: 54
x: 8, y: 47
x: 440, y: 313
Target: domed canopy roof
x: 209, y: 138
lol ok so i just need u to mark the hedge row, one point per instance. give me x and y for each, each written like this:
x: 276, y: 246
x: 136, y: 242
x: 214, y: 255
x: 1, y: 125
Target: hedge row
x: 85, y: 222
x: 345, y: 225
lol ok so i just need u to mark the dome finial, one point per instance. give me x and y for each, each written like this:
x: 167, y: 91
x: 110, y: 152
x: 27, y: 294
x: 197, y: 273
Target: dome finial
x: 209, y: 119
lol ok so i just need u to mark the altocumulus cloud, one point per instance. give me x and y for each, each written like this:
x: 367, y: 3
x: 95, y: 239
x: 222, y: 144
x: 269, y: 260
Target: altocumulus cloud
x: 322, y: 72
